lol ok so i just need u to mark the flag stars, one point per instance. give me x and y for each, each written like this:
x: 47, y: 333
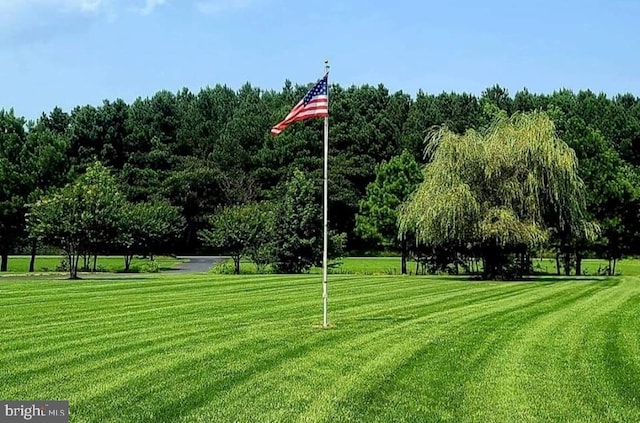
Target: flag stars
x: 319, y: 89
x: 314, y: 104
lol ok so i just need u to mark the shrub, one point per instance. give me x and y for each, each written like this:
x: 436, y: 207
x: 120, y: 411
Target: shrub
x: 225, y: 268
x: 149, y: 267
x: 63, y: 266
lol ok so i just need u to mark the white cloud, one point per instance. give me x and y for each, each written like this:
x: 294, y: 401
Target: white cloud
x: 18, y: 10
x: 13, y: 7
x: 27, y: 21
x: 21, y: 16
x: 214, y: 7
x: 150, y: 6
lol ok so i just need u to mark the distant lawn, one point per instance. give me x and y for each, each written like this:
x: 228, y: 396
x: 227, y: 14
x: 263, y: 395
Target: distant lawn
x: 20, y: 264
x: 590, y: 267
x: 374, y: 265
x: 391, y: 266
x: 348, y: 265
x: 216, y: 348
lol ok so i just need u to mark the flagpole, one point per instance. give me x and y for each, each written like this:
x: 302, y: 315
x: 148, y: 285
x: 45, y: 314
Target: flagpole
x: 325, y: 294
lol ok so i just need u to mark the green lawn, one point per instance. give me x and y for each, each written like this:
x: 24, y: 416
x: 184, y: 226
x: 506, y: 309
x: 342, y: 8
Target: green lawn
x: 209, y: 348
x: 391, y: 266
x: 347, y: 265
x: 43, y: 264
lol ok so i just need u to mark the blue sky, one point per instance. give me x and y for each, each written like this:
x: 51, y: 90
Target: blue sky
x: 72, y: 52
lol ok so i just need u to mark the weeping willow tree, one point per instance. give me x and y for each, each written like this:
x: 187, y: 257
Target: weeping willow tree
x: 498, y: 191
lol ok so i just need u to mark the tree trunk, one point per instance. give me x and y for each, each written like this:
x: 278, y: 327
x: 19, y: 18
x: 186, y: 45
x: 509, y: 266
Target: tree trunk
x: 95, y: 262
x: 493, y: 260
x: 609, y: 273
x: 73, y: 265
x: 5, y: 261
x: 236, y: 263
x: 127, y: 262
x: 558, y: 263
x: 404, y: 255
x: 613, y: 271
x: 484, y: 265
x: 567, y: 263
x: 32, y: 262
x: 488, y: 265
x: 578, y: 263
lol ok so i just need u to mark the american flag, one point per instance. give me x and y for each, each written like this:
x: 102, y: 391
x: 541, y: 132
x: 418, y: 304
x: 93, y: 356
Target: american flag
x: 314, y: 104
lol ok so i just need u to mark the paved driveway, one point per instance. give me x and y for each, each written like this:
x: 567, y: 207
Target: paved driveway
x: 197, y: 264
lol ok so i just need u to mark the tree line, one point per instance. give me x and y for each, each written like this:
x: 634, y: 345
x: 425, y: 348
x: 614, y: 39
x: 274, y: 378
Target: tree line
x: 206, y: 152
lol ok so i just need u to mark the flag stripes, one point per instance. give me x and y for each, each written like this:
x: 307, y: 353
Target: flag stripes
x: 314, y: 104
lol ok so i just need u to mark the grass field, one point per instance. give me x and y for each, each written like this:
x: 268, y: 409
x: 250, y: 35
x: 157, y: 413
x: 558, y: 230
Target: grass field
x: 20, y: 264
x: 209, y: 348
x: 391, y: 266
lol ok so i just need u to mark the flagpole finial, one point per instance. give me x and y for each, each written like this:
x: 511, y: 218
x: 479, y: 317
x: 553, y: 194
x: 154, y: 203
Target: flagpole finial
x: 326, y: 65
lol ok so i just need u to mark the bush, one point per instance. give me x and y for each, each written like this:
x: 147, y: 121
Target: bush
x: 338, y: 271
x: 149, y: 267
x: 63, y: 266
x: 225, y: 268
x: 246, y: 268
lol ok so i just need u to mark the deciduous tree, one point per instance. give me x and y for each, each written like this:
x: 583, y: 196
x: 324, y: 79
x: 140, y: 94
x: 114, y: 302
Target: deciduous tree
x: 501, y: 189
x: 239, y: 230
x: 378, y: 216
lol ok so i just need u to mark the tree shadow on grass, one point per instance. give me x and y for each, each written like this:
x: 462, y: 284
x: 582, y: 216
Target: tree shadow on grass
x: 529, y: 279
x: 567, y: 279
x: 114, y: 277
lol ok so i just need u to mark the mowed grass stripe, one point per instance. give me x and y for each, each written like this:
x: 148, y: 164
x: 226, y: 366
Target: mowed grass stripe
x: 189, y: 399
x: 211, y: 348
x: 176, y: 357
x: 617, y: 342
x: 94, y: 305
x: 92, y: 344
x: 351, y: 396
x: 100, y: 331
x: 152, y: 309
x: 448, y: 361
x: 60, y: 289
x: 351, y: 349
x: 348, y: 355
x: 554, y: 358
x: 97, y: 309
